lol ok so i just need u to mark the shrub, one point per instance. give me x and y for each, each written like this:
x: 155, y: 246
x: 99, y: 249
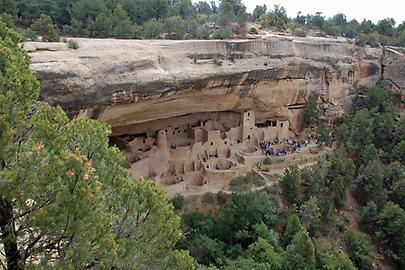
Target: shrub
x: 251, y: 178
x: 178, y: 202
x: 290, y: 184
x: 359, y: 248
x: 29, y: 34
x: 215, y: 34
x: 311, y: 114
x: 267, y: 161
x: 153, y: 28
x: 44, y: 27
x: 217, y: 62
x: 253, y: 30
x: 208, y: 198
x: 222, y: 197
x: 204, y: 34
x: 300, y: 33
x: 279, y: 160
x: 72, y: 44
x: 224, y: 33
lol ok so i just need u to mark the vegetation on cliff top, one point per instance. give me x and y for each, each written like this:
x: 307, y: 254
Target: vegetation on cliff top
x: 182, y: 19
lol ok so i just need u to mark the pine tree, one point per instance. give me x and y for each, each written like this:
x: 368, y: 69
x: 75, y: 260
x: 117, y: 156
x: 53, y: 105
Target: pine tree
x: 65, y: 200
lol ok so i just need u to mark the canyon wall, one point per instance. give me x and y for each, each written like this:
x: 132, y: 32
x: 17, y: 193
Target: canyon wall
x: 129, y: 83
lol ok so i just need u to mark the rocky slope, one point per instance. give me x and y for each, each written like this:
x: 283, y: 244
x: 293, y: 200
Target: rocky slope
x: 128, y: 82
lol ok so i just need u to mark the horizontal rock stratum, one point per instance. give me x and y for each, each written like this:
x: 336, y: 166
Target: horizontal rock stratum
x: 129, y: 82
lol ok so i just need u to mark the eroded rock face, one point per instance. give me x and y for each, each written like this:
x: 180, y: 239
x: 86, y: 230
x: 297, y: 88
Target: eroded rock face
x: 131, y: 82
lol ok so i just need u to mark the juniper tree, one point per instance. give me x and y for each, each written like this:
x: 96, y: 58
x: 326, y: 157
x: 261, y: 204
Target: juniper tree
x: 65, y: 200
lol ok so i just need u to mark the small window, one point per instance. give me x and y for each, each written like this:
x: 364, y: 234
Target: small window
x: 282, y: 124
x: 174, y: 132
x: 248, y: 113
x: 212, y: 143
x: 144, y: 141
x: 226, y: 142
x: 154, y: 143
x: 178, y: 131
x: 248, y: 137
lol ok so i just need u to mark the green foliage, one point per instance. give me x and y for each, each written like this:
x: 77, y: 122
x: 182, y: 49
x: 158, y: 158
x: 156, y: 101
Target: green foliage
x: 391, y: 230
x: 340, y: 175
x: 175, y: 27
x: 310, y: 214
x: 375, y: 97
x: 29, y: 34
x: 275, y: 18
x: 96, y: 18
x: 253, y: 30
x: 359, y: 248
x: 153, y: 28
x: 73, y: 44
x: 369, y: 216
x: 370, y: 185
x: 8, y: 19
x: 231, y: 12
x: 328, y: 258
x: 224, y: 33
x: 217, y: 62
x: 8, y: 7
x: 178, y: 202
x: 290, y: 184
x: 259, y: 11
x: 293, y: 227
x: 262, y: 251
x: 206, y: 250
x: 242, y: 212
x: 322, y: 134
x: 222, y: 197
x: 198, y: 223
x: 361, y: 135
x: 244, y: 182
x: 208, y: 198
x: 300, y: 33
x: 65, y: 188
x: 310, y: 115
x: 267, y: 161
x: 300, y: 254
x: 246, y: 264
x: 398, y: 152
x: 44, y: 27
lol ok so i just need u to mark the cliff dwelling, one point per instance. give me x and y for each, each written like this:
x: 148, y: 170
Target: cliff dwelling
x: 198, y: 150
x: 191, y: 125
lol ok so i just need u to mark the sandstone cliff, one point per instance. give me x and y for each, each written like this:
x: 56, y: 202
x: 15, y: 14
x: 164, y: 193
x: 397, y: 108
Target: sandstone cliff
x: 128, y: 82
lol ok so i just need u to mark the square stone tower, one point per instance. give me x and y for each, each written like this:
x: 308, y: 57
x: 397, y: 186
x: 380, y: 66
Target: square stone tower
x: 248, y: 126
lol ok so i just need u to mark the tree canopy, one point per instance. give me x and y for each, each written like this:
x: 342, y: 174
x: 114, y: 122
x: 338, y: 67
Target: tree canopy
x: 98, y: 18
x: 65, y: 199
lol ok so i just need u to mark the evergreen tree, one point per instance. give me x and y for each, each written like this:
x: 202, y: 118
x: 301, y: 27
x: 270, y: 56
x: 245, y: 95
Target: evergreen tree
x: 310, y: 214
x: 370, y: 185
x: 300, y: 254
x: 65, y: 200
x: 44, y: 26
x: 359, y: 248
x: 290, y: 184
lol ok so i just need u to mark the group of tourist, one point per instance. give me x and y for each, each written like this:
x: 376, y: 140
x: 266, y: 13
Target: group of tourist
x: 291, y: 146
